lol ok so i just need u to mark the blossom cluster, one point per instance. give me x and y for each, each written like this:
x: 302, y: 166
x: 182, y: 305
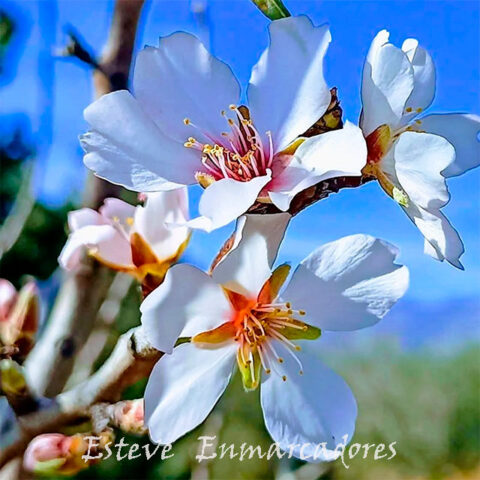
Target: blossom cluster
x: 188, y: 122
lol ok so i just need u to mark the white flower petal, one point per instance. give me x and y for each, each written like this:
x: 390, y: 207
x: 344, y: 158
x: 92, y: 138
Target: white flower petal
x: 225, y: 200
x: 107, y: 243
x: 183, y: 388
x: 126, y: 147
x: 424, y: 76
x: 418, y: 160
x: 8, y: 296
x: 348, y: 284
x: 160, y: 221
x: 287, y: 93
x: 329, y: 155
x: 247, y: 266
x: 462, y: 131
x: 388, y: 81
x: 180, y: 79
x: 442, y: 241
x: 117, y: 210
x: 308, y: 409
x: 83, y: 217
x: 188, y: 302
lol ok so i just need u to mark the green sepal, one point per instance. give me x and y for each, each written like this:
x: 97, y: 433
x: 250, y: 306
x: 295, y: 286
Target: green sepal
x: 49, y: 467
x: 273, y: 9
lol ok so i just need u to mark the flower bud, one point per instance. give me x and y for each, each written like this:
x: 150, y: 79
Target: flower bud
x: 129, y: 417
x: 57, y: 454
x: 19, y: 318
x: 12, y: 378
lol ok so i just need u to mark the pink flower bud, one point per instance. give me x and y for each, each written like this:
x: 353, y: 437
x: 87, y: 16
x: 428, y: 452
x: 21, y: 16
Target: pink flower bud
x: 129, y: 416
x: 50, y: 447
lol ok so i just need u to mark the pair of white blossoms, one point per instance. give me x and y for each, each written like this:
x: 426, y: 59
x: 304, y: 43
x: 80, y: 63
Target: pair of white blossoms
x: 184, y: 126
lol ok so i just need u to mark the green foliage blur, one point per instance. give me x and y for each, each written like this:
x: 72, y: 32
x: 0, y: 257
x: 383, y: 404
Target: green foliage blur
x: 427, y: 403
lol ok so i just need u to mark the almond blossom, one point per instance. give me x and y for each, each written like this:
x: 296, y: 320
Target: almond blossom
x: 410, y: 156
x: 185, y: 125
x: 139, y: 240
x: 247, y: 317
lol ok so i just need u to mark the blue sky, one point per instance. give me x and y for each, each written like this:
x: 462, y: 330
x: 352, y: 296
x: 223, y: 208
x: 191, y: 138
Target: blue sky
x: 237, y: 34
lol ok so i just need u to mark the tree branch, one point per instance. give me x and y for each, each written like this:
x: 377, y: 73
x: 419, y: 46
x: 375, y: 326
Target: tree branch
x: 82, y: 294
x: 132, y: 359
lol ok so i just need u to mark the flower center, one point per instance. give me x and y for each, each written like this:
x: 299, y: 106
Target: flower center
x: 262, y: 331
x: 379, y: 143
x: 256, y: 328
x: 241, y: 153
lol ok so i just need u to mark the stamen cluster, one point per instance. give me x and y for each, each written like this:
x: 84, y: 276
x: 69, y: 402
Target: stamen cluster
x: 240, y: 154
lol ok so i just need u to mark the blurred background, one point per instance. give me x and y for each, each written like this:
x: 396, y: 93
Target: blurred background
x: 416, y: 375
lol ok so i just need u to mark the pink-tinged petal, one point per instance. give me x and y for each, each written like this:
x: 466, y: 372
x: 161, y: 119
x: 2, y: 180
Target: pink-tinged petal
x: 184, y: 387
x: 246, y: 267
x: 188, y: 302
x: 161, y: 222
x: 104, y: 241
x: 462, y: 131
x: 424, y: 77
x: 117, y: 211
x: 84, y: 217
x: 348, y: 284
x: 388, y: 81
x: 329, y: 155
x: 225, y: 200
x: 126, y: 147
x: 287, y: 93
x: 180, y: 79
x: 418, y: 160
x: 306, y: 410
x: 442, y: 241
x: 8, y: 297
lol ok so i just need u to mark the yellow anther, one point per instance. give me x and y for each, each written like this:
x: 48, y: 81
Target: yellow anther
x: 232, y: 107
x: 289, y: 312
x: 419, y: 110
x: 288, y: 305
x: 268, y: 371
x: 284, y: 378
x: 129, y: 221
x: 230, y: 121
x: 298, y: 348
x: 418, y: 122
x: 301, y: 372
x: 409, y: 109
x: 188, y: 144
x: 302, y: 312
x: 116, y: 219
x: 280, y: 360
x: 223, y: 113
x: 191, y: 139
x: 186, y: 121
